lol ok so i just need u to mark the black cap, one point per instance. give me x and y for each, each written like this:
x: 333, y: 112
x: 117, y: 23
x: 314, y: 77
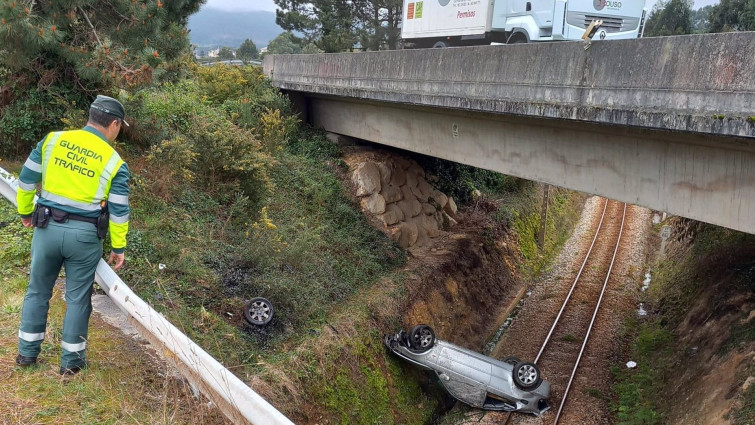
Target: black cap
x: 110, y: 106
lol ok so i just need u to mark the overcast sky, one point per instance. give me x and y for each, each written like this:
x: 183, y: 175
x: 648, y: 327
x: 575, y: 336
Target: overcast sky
x: 270, y: 5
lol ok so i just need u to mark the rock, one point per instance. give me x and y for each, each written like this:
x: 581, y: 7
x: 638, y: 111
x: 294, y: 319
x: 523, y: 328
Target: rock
x: 428, y: 209
x: 422, y: 236
x: 391, y: 193
x: 418, y: 193
x: 393, y: 215
x: 411, y: 207
x: 416, y: 207
x: 424, y: 187
x: 407, y: 235
x: 366, y: 177
x: 407, y: 193
x: 749, y: 381
x: 385, y: 173
x: 448, y: 219
x: 439, y: 197
x: 398, y: 176
x: 374, y: 203
x: 450, y: 208
x: 418, y: 171
x: 406, y: 207
x: 431, y: 226
x: 411, y: 178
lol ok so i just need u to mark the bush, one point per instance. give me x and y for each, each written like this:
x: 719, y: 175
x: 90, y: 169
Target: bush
x: 459, y: 180
x: 188, y: 138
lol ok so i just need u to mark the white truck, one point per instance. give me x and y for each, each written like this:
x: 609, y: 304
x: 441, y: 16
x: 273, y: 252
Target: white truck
x: 444, y: 23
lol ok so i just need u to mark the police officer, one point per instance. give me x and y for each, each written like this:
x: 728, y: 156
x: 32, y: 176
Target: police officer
x: 82, y: 178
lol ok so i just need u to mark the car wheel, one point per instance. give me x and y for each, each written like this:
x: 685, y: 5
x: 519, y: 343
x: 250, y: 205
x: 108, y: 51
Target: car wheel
x: 440, y: 45
x: 512, y: 360
x: 259, y: 311
x: 527, y: 376
x: 422, y: 338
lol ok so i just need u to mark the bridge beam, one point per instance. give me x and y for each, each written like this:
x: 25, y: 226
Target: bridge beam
x: 664, y: 122
x: 691, y: 175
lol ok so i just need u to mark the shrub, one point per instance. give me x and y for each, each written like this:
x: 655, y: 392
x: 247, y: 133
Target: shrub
x: 220, y: 82
x: 188, y: 137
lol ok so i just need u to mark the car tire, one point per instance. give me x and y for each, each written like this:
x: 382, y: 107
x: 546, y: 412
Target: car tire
x: 512, y: 360
x: 422, y: 338
x: 440, y: 45
x: 527, y: 376
x: 259, y: 311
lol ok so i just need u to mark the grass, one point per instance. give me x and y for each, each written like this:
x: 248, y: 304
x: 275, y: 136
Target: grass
x: 523, y: 211
x: 108, y: 392
x: 638, y: 390
x: 717, y: 257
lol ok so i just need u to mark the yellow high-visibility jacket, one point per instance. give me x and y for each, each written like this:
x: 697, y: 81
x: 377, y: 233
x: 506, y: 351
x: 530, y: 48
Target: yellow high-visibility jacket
x: 77, y: 170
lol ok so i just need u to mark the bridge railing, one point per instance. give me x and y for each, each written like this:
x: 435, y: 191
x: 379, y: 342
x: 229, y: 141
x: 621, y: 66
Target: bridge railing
x: 234, y: 398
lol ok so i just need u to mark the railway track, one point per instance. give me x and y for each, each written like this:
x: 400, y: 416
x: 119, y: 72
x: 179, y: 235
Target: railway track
x: 565, y: 345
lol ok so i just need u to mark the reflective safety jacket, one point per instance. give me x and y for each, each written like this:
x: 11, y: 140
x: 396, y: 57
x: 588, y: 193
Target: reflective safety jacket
x: 78, y: 169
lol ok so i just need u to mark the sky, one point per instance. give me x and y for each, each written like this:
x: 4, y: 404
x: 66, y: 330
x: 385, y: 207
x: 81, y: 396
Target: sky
x: 269, y: 5
x: 242, y: 5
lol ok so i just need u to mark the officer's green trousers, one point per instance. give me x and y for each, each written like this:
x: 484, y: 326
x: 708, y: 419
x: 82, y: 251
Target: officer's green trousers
x: 75, y: 245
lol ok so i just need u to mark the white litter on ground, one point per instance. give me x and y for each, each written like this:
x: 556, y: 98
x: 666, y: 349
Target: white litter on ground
x: 646, y: 282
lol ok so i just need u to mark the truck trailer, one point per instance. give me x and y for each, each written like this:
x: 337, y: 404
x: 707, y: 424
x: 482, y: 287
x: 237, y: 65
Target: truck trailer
x: 446, y: 23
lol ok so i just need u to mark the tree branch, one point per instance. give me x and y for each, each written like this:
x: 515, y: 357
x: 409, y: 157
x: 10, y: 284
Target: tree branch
x: 90, y: 25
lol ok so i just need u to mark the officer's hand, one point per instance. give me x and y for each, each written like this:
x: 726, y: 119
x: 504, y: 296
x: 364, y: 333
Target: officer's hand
x: 26, y: 221
x: 118, y: 258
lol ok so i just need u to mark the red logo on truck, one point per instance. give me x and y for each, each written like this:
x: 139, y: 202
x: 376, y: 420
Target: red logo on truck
x: 467, y: 14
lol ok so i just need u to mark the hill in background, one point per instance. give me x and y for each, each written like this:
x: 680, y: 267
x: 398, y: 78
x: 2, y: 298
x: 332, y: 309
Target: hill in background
x: 211, y: 27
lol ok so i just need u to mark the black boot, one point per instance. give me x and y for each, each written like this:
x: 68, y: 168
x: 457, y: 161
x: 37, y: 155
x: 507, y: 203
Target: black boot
x: 73, y: 370
x: 24, y: 361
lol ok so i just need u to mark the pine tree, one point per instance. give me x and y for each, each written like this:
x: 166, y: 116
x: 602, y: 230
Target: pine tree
x: 672, y: 17
x: 93, y: 44
x: 732, y: 15
x: 332, y: 25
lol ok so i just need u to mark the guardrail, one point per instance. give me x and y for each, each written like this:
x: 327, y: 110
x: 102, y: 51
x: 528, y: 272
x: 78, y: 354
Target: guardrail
x: 234, y: 398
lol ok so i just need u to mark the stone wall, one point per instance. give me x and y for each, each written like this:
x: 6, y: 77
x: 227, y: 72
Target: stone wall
x: 397, y: 192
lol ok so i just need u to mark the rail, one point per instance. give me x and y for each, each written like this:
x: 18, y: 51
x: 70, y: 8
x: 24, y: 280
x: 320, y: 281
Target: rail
x: 595, y: 312
x: 239, y: 403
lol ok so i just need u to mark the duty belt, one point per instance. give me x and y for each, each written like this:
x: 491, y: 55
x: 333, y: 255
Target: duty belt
x: 55, y: 213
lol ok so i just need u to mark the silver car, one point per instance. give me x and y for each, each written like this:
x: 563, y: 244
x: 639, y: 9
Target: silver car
x: 474, y: 379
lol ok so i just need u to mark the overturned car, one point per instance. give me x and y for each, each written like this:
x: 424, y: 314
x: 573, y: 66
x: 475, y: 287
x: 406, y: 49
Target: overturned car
x: 474, y: 379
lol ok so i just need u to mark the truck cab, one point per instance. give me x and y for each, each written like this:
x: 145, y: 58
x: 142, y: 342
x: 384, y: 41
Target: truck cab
x: 551, y: 20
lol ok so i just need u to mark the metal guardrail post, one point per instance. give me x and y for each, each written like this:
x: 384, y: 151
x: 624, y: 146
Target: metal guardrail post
x: 234, y: 398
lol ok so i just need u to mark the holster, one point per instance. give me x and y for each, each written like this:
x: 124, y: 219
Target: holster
x: 103, y: 222
x: 40, y: 217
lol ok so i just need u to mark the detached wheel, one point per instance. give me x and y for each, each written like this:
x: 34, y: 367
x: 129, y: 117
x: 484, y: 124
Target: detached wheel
x: 512, y: 360
x: 422, y: 338
x: 259, y: 311
x: 527, y: 376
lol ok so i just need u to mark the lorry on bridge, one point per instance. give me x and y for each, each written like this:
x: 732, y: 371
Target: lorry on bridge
x: 446, y: 23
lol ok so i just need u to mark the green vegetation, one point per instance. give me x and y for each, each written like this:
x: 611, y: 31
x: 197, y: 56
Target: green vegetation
x: 640, y: 390
x: 524, y: 212
x: 237, y: 202
x: 718, y: 265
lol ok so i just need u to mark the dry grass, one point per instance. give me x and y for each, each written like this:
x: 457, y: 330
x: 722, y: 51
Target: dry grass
x: 124, y: 384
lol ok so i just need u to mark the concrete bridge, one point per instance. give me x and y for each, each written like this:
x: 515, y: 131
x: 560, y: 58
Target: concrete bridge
x: 667, y: 123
